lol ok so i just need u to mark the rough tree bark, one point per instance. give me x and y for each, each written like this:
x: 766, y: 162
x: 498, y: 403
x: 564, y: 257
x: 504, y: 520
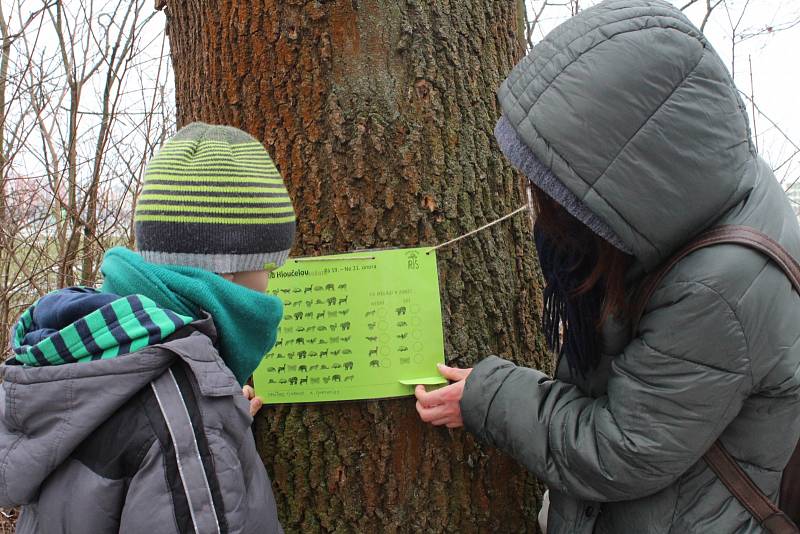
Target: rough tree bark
x: 379, y: 115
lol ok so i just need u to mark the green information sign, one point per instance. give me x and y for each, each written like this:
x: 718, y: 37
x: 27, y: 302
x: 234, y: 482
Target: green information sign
x: 356, y: 326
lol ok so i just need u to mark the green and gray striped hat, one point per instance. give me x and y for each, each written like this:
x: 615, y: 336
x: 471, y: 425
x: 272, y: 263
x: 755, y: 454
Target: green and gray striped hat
x: 213, y: 199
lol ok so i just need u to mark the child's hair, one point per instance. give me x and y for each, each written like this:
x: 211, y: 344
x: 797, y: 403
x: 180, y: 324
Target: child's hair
x: 611, y: 265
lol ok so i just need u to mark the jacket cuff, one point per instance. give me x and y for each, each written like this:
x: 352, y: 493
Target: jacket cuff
x: 482, y: 384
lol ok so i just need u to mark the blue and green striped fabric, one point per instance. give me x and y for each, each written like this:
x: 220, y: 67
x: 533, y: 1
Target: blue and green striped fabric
x: 124, y: 325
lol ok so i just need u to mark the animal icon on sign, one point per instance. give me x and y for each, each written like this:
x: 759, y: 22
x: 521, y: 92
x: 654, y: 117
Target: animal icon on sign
x: 320, y: 315
x: 373, y: 339
x: 329, y: 287
x: 336, y: 378
x: 343, y: 300
x: 348, y: 366
x: 402, y: 349
x: 293, y: 381
x: 298, y: 316
x: 304, y: 380
x: 345, y: 325
x: 374, y: 363
x: 371, y: 326
x: 401, y: 310
x: 402, y: 323
x: 373, y: 352
x: 331, y: 301
x: 370, y: 313
x: 342, y: 286
x: 348, y: 378
x: 402, y: 336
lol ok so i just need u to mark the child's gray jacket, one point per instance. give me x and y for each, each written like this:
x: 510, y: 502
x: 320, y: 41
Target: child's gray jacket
x: 156, y: 441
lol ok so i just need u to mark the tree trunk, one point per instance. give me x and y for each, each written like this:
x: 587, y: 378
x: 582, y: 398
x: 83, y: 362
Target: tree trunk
x: 379, y: 115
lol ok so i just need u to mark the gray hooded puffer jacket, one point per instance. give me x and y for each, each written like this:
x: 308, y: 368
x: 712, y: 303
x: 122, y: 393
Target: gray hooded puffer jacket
x: 155, y: 441
x: 632, y: 110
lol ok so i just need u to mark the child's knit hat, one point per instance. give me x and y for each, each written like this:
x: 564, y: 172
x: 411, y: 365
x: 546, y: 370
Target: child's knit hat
x: 213, y: 199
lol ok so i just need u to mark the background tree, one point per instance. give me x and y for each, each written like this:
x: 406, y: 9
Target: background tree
x: 379, y: 115
x: 81, y: 109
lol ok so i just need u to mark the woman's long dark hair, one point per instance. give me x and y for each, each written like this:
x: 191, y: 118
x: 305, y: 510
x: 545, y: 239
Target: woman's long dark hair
x: 610, y: 265
x: 585, y: 277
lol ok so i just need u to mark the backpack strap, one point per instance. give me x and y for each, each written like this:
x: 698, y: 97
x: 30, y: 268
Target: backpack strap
x: 718, y: 459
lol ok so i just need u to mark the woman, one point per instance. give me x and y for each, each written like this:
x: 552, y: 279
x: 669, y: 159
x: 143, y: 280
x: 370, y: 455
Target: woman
x: 631, y: 130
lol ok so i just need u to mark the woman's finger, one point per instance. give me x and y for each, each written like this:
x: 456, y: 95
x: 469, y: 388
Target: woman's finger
x: 248, y: 392
x: 453, y: 373
x: 432, y: 414
x: 444, y: 421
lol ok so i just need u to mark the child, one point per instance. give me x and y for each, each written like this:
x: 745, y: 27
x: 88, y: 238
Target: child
x: 122, y: 409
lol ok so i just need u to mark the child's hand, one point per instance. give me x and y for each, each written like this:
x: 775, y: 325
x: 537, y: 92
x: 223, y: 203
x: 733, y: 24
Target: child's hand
x: 443, y: 406
x: 255, y: 402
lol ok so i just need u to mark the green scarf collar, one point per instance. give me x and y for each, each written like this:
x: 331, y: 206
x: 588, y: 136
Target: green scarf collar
x: 246, y: 321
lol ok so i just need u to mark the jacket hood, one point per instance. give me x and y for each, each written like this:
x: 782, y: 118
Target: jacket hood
x: 633, y: 111
x: 80, y: 324
x: 47, y: 411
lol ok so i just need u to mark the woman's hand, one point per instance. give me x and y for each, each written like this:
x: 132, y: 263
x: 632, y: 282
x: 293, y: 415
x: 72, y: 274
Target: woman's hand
x: 443, y: 406
x: 255, y: 402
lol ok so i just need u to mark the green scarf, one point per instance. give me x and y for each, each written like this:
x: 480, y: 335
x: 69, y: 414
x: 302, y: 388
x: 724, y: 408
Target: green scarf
x: 246, y: 321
